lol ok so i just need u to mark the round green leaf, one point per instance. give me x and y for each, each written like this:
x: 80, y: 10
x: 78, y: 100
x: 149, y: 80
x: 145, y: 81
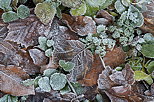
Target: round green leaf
x: 44, y: 84
x: 148, y: 50
x: 119, y: 6
x: 58, y: 81
x: 50, y: 43
x: 71, y: 3
x: 45, y: 12
x: 9, y: 16
x: 49, y: 52
x: 67, y: 66
x: 95, y: 3
x: 150, y: 67
x: 23, y: 11
x: 5, y: 5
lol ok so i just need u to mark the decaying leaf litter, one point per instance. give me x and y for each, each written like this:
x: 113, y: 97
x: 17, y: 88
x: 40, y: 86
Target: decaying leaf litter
x: 76, y: 50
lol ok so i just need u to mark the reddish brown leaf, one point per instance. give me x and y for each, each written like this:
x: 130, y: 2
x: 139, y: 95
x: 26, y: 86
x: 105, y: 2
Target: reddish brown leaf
x: 10, y: 85
x: 91, y: 76
x: 115, y: 57
x: 82, y: 25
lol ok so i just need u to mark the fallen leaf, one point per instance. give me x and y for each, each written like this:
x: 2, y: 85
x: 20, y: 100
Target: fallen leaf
x: 82, y: 25
x: 91, y: 76
x: 12, y: 86
x: 3, y: 30
x: 26, y: 31
x: 149, y: 18
x: 103, y: 17
x: 115, y: 57
x: 74, y: 51
x: 38, y: 57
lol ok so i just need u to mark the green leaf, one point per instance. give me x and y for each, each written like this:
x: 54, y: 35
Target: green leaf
x: 5, y: 5
x: 9, y: 16
x: 119, y: 6
x: 79, y: 89
x: 67, y: 66
x: 36, y: 81
x: 71, y: 3
x: 49, y: 52
x: 45, y: 12
x: 106, y: 4
x: 126, y: 2
x: 150, y: 67
x: 95, y: 3
x: 91, y: 11
x: 58, y: 81
x: 42, y: 41
x: 65, y: 90
x: 135, y: 16
x: 23, y: 11
x: 79, y: 11
x: 140, y: 75
x: 49, y: 72
x: 38, y: 1
x: 44, y: 84
x: 99, y: 98
x: 9, y: 98
x: 148, y: 50
x: 50, y: 43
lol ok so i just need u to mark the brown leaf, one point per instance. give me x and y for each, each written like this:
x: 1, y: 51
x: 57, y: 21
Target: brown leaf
x: 74, y: 51
x: 82, y: 25
x: 10, y: 85
x: 3, y: 30
x: 91, y: 76
x: 38, y: 57
x: 103, y: 17
x: 149, y: 18
x: 14, y: 71
x: 115, y: 57
x: 26, y: 31
x: 12, y: 55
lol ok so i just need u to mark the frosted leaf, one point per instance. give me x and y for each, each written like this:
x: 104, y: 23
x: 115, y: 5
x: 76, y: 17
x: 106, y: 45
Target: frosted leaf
x: 38, y: 57
x: 23, y: 11
x: 126, y: 2
x: 28, y: 82
x: 50, y: 43
x: 148, y: 37
x: 44, y: 84
x: 106, y: 4
x: 49, y: 72
x: 148, y: 50
x: 67, y: 66
x: 79, y: 11
x: 9, y: 16
x: 58, y: 81
x: 5, y: 4
x: 49, y: 52
x: 75, y: 52
x: 45, y: 12
x: 91, y: 11
x: 101, y: 28
x: 71, y: 3
x: 95, y: 3
x: 3, y: 30
x: 26, y: 31
x: 65, y: 90
x: 82, y: 25
x: 119, y: 6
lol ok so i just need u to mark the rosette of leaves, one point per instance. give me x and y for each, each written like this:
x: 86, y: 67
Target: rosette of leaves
x: 98, y: 43
x: 45, y: 11
x: 46, y: 45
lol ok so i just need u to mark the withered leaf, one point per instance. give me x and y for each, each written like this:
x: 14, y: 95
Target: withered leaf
x: 74, y: 51
x: 82, y: 25
x: 38, y: 57
x: 149, y: 18
x: 26, y: 31
x: 12, y: 86
x: 91, y: 76
x: 3, y: 30
x: 12, y: 55
x: 115, y: 57
x: 103, y: 17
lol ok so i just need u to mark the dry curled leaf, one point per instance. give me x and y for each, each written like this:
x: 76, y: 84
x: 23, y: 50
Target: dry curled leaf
x: 82, y: 25
x: 11, y: 85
